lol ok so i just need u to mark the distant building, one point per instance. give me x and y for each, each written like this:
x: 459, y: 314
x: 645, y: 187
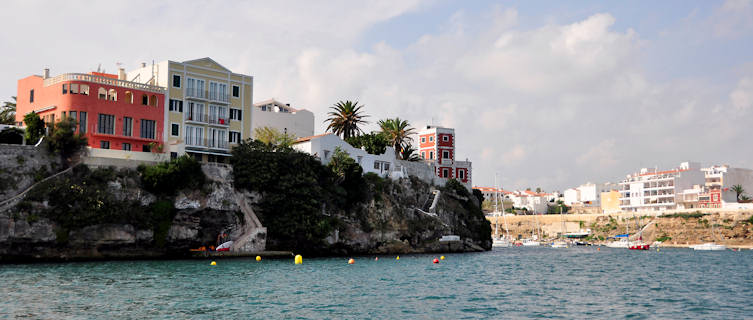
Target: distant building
x: 111, y: 112
x: 436, y: 145
x: 721, y: 179
x: 651, y: 189
x: 274, y: 114
x: 610, y: 201
x: 323, y: 147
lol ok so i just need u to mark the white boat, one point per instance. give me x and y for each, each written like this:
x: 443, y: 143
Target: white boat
x: 530, y: 243
x: 709, y: 246
x: 560, y: 244
x: 501, y: 243
x: 622, y: 243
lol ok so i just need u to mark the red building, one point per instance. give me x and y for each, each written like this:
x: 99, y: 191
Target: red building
x: 710, y: 198
x: 437, y: 146
x: 111, y: 112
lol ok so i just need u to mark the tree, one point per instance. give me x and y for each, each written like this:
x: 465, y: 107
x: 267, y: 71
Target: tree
x: 538, y: 190
x: 398, y: 133
x: 409, y: 153
x: 373, y: 143
x: 274, y: 137
x: 64, y: 140
x: 34, y: 128
x: 8, y: 112
x: 346, y: 118
x: 738, y: 189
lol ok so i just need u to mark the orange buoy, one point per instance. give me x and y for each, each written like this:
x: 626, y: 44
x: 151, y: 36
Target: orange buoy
x: 351, y: 261
x: 598, y: 249
x: 436, y: 260
x: 376, y: 259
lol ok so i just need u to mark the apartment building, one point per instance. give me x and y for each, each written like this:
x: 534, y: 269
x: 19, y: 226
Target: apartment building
x: 436, y: 145
x: 723, y: 178
x: 651, y: 189
x: 112, y: 112
x: 208, y: 107
x: 275, y: 114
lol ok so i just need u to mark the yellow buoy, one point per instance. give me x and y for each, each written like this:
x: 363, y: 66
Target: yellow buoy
x: 213, y: 263
x: 298, y: 259
x: 657, y: 249
x: 258, y: 258
x: 441, y: 258
x: 351, y: 261
x: 398, y: 258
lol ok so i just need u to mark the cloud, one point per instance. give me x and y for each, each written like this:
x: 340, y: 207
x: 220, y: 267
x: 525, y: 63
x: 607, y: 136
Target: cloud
x: 742, y: 96
x: 600, y: 157
x: 514, y: 156
x: 734, y: 18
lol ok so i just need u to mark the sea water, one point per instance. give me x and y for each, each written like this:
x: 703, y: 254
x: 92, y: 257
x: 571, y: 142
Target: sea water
x: 579, y: 282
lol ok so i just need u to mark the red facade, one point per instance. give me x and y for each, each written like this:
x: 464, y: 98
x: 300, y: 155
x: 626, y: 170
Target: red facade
x: 112, y: 113
x: 711, y: 199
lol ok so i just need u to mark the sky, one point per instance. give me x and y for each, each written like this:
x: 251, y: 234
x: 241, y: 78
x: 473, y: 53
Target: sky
x: 547, y: 94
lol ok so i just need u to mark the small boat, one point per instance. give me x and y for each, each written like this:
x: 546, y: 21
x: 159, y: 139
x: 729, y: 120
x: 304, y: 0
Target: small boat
x: 560, y: 244
x: 622, y: 243
x: 638, y: 245
x: 531, y: 243
x: 709, y: 246
x: 501, y: 243
x: 225, y: 246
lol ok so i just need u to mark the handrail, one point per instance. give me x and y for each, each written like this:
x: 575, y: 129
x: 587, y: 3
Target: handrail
x: 102, y: 80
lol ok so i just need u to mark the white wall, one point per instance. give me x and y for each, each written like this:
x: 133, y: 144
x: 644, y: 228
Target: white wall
x: 571, y: 196
x: 299, y: 123
x: 324, y: 147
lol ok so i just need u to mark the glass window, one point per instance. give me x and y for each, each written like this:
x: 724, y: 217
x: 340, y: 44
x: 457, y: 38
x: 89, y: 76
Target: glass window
x: 431, y: 138
x: 445, y: 138
x: 85, y: 89
x: 175, y: 129
x: 146, y: 148
x: 31, y: 95
x: 236, y: 91
x: 126, y: 146
x: 74, y: 88
x: 102, y: 93
x: 104, y: 144
x: 176, y: 81
x: 65, y: 88
x: 423, y: 139
x: 386, y: 166
x: 144, y: 99
x: 147, y: 129
x: 127, y: 126
x: 82, y: 121
x: 106, y: 124
x: 377, y: 165
x: 445, y: 154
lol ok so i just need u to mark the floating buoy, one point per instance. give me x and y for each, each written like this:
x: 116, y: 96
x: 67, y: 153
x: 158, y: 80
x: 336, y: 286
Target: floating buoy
x: 441, y: 258
x: 436, y: 260
x: 351, y: 261
x: 213, y: 263
x: 598, y: 249
x: 376, y: 258
x: 298, y: 259
x: 258, y: 258
x: 398, y: 258
x: 657, y: 249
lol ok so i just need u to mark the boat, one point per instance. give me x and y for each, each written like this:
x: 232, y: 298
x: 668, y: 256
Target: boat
x: 622, y: 241
x: 500, y: 241
x: 561, y: 242
x: 709, y: 246
x: 530, y: 243
x: 638, y: 245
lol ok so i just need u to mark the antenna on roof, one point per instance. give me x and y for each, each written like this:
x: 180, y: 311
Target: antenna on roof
x: 99, y: 67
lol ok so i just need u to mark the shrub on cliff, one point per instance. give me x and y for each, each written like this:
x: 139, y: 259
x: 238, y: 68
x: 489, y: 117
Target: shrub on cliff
x: 64, y: 141
x: 373, y: 143
x: 34, y: 128
x: 168, y: 177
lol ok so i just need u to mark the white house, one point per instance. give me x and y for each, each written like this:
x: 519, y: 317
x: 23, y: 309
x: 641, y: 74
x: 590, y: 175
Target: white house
x: 659, y: 190
x: 274, y: 114
x: 323, y: 147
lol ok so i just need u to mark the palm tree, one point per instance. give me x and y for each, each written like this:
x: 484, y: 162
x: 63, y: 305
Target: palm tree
x: 398, y: 133
x: 8, y: 112
x: 409, y: 153
x: 346, y: 118
x: 738, y: 189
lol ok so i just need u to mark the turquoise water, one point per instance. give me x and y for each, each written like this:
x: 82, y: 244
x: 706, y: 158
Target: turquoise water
x: 507, y: 283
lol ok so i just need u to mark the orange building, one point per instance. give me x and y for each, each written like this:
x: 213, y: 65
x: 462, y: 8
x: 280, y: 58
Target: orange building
x: 111, y: 112
x: 437, y: 146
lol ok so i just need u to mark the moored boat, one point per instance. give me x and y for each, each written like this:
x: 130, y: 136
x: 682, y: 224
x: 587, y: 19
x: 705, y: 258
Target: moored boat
x: 709, y: 246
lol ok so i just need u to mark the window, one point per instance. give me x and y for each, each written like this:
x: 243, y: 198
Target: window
x: 431, y: 138
x: 176, y: 105
x: 63, y: 115
x: 235, y: 137
x: 377, y: 165
x: 236, y: 91
x: 126, y: 146
x: 173, y: 155
x: 423, y: 139
x: 213, y: 90
x: 85, y: 89
x: 112, y: 95
x: 129, y: 97
x: 176, y: 81
x: 104, y: 144
x: 445, y: 154
x: 82, y: 121
x: 31, y: 96
x: 65, y: 88
x: 153, y: 101
x: 127, y: 126
x: 147, y: 128
x: 102, y: 93
x: 461, y: 174
x: 146, y: 148
x: 445, y: 173
x: 431, y: 155
x: 236, y: 114
x: 73, y: 116
x: 174, y: 129
x: 74, y: 88
x: 423, y: 155
x: 445, y: 138
x: 326, y: 154
x: 106, y: 124
x: 386, y: 166
x: 144, y: 99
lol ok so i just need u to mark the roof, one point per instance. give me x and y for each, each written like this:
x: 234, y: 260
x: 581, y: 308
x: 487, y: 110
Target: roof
x: 309, y: 138
x: 273, y: 101
x: 206, y: 59
x: 663, y: 172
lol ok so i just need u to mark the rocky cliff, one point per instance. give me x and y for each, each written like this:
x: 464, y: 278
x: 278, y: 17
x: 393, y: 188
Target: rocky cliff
x: 106, y: 213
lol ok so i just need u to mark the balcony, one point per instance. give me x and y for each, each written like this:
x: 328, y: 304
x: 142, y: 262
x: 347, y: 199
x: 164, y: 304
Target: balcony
x: 196, y: 117
x: 207, y: 144
x: 102, y: 80
x: 218, y: 97
x: 219, y: 121
x: 194, y: 93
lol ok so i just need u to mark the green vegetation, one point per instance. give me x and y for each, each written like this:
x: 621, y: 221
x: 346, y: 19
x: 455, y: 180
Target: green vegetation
x: 373, y: 143
x: 555, y: 209
x: 273, y: 137
x: 664, y: 238
x: 739, y: 191
x: 398, y: 133
x: 479, y: 228
x: 64, y: 141
x: 409, y: 153
x: 168, y: 177
x: 687, y: 215
x: 34, y: 128
x: 8, y: 112
x: 346, y: 119
x: 479, y: 195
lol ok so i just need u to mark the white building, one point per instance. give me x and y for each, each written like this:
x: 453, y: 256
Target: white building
x: 659, y: 190
x: 534, y: 202
x: 587, y: 194
x: 724, y: 178
x: 571, y: 196
x: 274, y: 114
x: 323, y: 147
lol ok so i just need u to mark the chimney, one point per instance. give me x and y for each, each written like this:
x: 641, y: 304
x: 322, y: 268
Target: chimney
x: 287, y: 104
x: 143, y: 64
x: 121, y: 74
x: 46, y: 73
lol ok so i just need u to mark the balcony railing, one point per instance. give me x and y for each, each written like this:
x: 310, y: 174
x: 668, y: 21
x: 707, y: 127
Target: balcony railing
x: 214, y: 96
x: 196, y: 93
x: 207, y: 143
x: 197, y: 117
x: 219, y: 120
x: 102, y: 80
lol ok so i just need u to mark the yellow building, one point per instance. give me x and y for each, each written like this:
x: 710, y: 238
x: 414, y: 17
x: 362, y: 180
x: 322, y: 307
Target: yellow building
x: 207, y: 108
x: 610, y: 201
